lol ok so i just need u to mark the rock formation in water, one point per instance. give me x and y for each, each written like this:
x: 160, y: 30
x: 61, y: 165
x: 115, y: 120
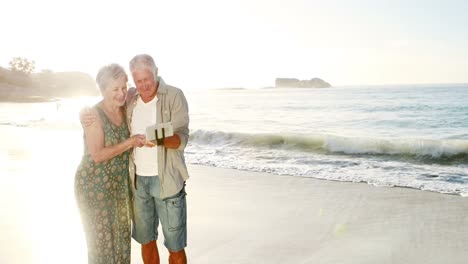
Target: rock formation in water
x: 296, y: 83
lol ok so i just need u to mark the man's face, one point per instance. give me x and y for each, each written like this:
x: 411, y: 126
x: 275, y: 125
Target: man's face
x: 145, y: 83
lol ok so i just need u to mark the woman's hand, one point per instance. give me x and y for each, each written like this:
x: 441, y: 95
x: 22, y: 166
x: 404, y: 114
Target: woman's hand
x: 150, y: 144
x: 137, y: 140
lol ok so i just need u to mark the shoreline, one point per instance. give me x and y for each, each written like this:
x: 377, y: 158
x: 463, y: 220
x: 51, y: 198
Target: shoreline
x: 460, y: 194
x: 10, y: 93
x: 29, y: 99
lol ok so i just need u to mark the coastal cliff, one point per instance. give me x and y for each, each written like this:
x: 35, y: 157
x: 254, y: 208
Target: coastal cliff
x: 44, y: 86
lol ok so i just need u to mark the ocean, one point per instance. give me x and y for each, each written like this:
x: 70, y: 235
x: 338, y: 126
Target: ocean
x: 412, y: 136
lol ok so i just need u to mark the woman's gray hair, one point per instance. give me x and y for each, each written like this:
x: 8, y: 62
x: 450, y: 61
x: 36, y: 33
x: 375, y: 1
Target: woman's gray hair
x: 109, y: 73
x: 144, y: 61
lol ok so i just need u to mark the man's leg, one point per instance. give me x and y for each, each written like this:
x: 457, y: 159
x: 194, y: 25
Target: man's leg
x: 150, y: 253
x: 146, y: 220
x: 178, y: 257
x: 173, y: 216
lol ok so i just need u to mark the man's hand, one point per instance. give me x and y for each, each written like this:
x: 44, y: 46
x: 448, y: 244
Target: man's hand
x: 172, y: 142
x: 86, y: 117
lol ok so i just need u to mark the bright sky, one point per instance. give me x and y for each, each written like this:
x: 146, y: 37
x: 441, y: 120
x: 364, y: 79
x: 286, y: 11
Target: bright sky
x: 246, y: 43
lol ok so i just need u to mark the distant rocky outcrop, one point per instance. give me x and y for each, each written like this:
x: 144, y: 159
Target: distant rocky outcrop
x: 296, y: 83
x: 44, y: 86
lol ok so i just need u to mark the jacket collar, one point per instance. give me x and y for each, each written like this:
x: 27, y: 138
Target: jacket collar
x: 162, y: 85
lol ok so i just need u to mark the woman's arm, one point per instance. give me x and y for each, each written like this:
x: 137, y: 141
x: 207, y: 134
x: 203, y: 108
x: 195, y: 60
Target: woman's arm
x: 94, y: 135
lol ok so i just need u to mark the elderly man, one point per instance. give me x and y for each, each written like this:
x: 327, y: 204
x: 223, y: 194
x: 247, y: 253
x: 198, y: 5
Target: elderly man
x: 158, y: 172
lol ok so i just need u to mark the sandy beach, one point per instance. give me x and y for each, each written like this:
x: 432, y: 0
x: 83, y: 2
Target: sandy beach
x: 233, y: 216
x: 245, y: 217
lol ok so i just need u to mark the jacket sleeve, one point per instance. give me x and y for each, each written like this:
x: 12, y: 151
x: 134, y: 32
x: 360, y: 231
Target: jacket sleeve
x: 180, y: 118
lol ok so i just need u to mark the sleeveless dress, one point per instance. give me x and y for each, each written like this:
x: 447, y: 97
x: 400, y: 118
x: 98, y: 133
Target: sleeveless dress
x: 104, y: 199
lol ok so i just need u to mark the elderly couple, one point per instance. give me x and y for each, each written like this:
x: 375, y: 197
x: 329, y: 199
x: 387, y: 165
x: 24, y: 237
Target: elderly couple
x: 123, y: 177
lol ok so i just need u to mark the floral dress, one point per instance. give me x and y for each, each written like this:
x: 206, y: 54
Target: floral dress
x: 103, y: 196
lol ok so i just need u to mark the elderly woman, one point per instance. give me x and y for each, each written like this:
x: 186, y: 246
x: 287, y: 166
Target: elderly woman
x: 101, y: 182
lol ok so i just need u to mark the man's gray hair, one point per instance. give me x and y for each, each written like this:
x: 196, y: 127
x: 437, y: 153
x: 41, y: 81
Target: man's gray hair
x: 110, y: 73
x: 144, y: 61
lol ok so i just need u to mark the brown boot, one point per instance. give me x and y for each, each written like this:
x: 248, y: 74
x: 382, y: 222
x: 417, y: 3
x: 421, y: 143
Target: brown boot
x: 178, y: 257
x: 150, y: 253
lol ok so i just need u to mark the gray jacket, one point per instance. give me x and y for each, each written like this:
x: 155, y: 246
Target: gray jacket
x: 171, y: 107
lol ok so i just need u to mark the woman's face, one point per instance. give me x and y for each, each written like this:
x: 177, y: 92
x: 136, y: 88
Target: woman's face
x: 116, y: 91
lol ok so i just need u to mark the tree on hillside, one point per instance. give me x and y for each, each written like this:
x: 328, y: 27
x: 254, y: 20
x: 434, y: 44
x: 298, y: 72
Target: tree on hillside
x: 18, y: 64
